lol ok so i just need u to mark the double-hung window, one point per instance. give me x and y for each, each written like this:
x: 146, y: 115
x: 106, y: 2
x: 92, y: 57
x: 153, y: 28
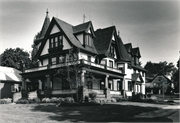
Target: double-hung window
x: 110, y: 63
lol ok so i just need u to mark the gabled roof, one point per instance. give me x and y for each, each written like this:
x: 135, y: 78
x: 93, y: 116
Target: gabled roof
x: 160, y: 74
x: 9, y: 74
x: 136, y: 52
x: 128, y: 47
x: 103, y: 39
x: 123, y: 55
x: 68, y: 30
x: 135, y: 76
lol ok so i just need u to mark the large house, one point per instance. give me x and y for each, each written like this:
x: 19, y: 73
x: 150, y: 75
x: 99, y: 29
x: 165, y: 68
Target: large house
x: 159, y: 84
x: 95, y: 60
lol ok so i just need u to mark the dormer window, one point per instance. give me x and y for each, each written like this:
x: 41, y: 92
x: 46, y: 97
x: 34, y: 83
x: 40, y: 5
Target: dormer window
x: 55, y: 43
x: 88, y: 40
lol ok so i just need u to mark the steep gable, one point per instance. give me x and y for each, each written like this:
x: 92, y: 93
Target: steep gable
x: 103, y: 39
x: 123, y: 54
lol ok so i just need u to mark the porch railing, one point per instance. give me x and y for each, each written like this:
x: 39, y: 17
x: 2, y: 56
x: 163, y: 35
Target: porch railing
x: 74, y: 62
x: 97, y: 91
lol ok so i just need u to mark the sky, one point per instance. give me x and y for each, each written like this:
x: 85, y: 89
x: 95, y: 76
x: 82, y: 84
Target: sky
x: 153, y: 26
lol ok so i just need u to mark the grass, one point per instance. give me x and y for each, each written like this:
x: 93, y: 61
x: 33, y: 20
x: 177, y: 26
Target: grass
x: 49, y: 113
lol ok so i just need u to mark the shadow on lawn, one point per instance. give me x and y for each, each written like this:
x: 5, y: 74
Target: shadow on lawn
x: 97, y: 113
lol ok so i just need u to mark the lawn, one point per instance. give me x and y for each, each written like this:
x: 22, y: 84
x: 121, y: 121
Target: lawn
x: 49, y: 113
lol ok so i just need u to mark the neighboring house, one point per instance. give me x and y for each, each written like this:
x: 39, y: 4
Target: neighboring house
x: 10, y: 82
x: 159, y: 84
x: 100, y: 56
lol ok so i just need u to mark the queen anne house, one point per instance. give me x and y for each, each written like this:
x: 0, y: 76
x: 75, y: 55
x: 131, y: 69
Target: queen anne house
x: 105, y: 64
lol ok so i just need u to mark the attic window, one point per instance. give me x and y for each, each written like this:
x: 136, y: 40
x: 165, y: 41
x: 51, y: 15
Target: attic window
x: 88, y: 39
x: 56, y: 41
x: 111, y: 53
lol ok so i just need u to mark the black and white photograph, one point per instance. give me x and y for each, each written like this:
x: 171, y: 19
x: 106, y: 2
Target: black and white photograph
x: 89, y: 61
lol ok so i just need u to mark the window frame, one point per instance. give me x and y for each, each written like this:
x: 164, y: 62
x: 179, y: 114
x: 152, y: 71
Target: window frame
x: 110, y: 61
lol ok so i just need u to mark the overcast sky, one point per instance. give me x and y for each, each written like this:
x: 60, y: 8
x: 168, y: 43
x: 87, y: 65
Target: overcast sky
x: 153, y: 26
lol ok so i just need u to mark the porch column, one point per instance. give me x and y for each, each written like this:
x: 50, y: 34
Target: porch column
x: 24, y: 91
x: 48, y: 91
x: 83, y: 91
x: 106, y: 81
x: 24, y: 85
x: 40, y: 85
x: 135, y: 87
x: 107, y: 91
x: 48, y: 82
x: 83, y: 77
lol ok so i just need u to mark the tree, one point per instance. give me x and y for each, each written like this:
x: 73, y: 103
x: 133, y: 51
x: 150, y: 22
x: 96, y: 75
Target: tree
x: 175, y: 78
x: 71, y: 72
x: 17, y: 58
x: 160, y: 68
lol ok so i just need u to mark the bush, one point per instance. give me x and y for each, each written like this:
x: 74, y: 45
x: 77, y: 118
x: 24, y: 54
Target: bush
x: 69, y: 100
x: 22, y: 101
x: 34, y: 100
x: 138, y: 97
x: 149, y: 95
x: 92, y: 95
x: 5, y: 101
x: 45, y: 100
x: 113, y: 100
x: 54, y: 100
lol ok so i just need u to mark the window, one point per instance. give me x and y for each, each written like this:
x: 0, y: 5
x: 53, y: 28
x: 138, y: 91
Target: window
x: 56, y: 41
x: 53, y: 60
x: 129, y: 86
x: 103, y: 62
x: 89, y: 58
x: 142, y: 74
x: 119, y: 85
x: 51, y: 43
x: 13, y: 89
x: 111, y: 51
x: 89, y: 83
x: 70, y: 58
x: 89, y: 40
x: 110, y: 63
x: 61, y: 59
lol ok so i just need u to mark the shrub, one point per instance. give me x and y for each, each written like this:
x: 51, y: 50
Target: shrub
x: 45, y: 100
x: 68, y: 100
x: 22, y: 101
x: 54, y: 100
x: 138, y: 97
x: 5, y: 101
x: 148, y: 95
x: 113, y: 100
x: 92, y: 95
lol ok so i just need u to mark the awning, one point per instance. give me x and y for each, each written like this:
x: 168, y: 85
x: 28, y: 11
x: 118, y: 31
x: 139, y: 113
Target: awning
x: 9, y: 74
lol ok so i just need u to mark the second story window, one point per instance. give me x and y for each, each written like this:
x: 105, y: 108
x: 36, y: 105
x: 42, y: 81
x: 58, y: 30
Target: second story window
x: 110, y: 63
x: 56, y: 41
x: 53, y: 60
x: 89, y: 58
x: 103, y: 62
